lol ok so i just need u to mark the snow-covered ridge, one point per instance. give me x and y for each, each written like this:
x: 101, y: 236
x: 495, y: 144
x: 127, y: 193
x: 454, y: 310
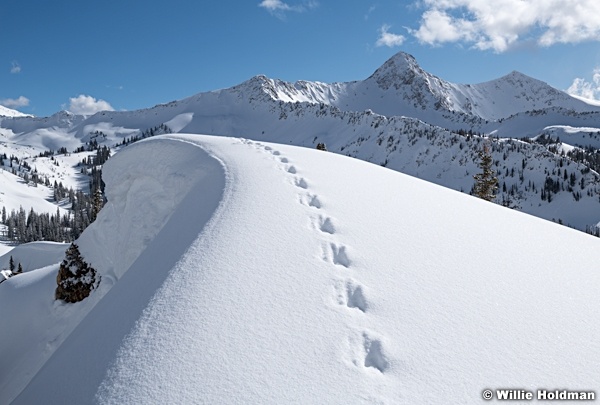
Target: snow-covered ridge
x: 237, y: 296
x: 160, y: 195
x: 401, y: 87
x: 401, y: 117
x: 143, y: 198
x: 8, y: 112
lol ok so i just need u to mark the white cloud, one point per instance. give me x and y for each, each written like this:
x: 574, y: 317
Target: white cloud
x: 15, y: 102
x: 583, y: 88
x: 371, y: 9
x: 278, y: 7
x: 15, y: 67
x: 499, y: 24
x: 88, y: 105
x: 274, y: 5
x: 388, y: 39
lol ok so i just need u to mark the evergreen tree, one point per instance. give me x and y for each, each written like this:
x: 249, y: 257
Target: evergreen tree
x: 75, y: 279
x: 486, y: 183
x: 20, y: 269
x: 97, y: 203
x: 11, y: 264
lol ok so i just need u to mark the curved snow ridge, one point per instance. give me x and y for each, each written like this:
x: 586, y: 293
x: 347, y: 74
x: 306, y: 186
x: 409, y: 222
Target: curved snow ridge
x: 145, y: 186
x: 162, y: 193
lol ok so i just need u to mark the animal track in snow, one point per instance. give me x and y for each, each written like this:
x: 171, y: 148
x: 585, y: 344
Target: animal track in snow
x: 339, y: 255
x: 326, y: 225
x: 310, y: 200
x: 268, y: 148
x: 350, y: 294
x: 314, y: 201
x: 284, y: 160
x: 291, y: 169
x: 300, y: 182
x: 276, y: 153
x: 374, y: 356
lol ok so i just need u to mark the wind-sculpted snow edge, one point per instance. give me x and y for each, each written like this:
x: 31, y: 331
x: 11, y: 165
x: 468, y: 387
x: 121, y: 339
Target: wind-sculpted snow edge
x: 146, y: 226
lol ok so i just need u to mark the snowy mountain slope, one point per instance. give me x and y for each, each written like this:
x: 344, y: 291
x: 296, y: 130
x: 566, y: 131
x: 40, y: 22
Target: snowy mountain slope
x: 34, y: 255
x: 14, y: 193
x: 430, y: 141
x: 401, y: 87
x: 319, y: 279
x: 8, y: 112
x: 400, y: 143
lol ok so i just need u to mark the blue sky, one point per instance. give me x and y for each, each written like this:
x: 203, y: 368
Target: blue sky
x: 88, y: 55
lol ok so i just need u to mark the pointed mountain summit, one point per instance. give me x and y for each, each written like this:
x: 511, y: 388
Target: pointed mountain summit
x: 401, y: 87
x: 407, y: 88
x: 401, y: 69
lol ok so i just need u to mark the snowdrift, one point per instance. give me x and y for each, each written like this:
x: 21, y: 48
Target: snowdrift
x: 146, y: 211
x: 262, y: 273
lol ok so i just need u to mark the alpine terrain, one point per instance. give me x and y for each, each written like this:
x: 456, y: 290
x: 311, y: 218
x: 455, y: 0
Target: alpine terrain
x: 215, y: 255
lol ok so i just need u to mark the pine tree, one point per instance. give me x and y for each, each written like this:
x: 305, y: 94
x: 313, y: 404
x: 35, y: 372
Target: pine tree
x: 20, y: 269
x: 486, y: 183
x: 11, y: 265
x: 75, y: 279
x: 97, y: 203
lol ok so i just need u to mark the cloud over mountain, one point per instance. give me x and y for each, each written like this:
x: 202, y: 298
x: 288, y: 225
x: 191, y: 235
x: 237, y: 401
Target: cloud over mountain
x: 501, y: 24
x: 88, y: 105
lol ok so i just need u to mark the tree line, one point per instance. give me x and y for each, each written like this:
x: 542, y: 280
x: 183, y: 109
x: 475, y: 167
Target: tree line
x: 22, y: 226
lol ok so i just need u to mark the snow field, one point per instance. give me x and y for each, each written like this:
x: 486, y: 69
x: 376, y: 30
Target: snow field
x: 290, y: 275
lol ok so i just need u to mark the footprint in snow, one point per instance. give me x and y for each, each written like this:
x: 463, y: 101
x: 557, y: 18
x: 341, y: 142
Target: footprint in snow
x: 339, y: 255
x: 276, y: 153
x: 351, y: 294
x: 284, y: 160
x: 313, y: 201
x: 373, y: 352
x: 291, y: 170
x: 310, y: 200
x: 326, y: 225
x: 300, y: 182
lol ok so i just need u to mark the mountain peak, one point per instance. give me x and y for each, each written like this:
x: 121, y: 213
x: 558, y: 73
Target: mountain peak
x: 402, y: 60
x: 516, y: 75
x: 400, y: 70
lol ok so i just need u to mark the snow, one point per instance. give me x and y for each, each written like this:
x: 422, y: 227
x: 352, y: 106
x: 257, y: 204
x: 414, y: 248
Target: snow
x: 8, y: 112
x: 4, y: 249
x: 14, y: 193
x: 268, y: 273
x: 586, y: 100
x: 419, y: 133
x: 34, y: 255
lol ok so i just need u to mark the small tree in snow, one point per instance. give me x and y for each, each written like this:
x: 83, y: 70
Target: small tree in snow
x: 11, y: 264
x: 75, y: 279
x: 486, y: 183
